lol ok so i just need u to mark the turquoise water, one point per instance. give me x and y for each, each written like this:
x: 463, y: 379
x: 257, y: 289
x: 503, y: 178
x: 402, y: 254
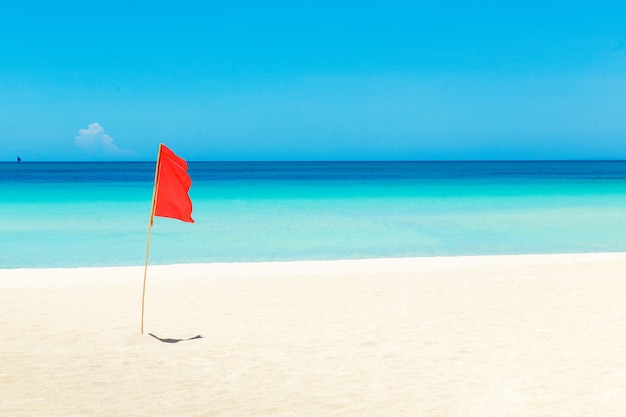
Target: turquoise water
x: 96, y: 214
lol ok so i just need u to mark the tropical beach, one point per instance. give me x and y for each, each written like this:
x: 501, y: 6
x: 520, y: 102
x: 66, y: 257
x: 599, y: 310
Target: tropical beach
x: 520, y: 335
x: 292, y: 293
x: 403, y: 209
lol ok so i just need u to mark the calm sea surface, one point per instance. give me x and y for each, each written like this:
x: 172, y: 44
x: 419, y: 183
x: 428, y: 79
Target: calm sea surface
x: 96, y: 214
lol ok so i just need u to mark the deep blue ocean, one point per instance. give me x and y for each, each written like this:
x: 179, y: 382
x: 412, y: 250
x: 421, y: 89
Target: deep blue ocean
x: 97, y: 213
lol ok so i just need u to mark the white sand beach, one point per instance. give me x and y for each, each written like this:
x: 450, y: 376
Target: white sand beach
x: 532, y: 335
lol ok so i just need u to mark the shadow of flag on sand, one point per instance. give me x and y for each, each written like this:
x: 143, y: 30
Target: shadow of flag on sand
x: 167, y: 340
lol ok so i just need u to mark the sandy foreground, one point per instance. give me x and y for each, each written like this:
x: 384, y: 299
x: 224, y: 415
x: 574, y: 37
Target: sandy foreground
x: 532, y: 335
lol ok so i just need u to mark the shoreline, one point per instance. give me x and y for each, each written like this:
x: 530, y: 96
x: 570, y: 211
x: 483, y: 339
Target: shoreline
x: 433, y: 336
x: 330, y: 261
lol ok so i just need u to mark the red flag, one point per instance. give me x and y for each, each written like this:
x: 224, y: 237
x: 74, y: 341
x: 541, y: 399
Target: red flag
x: 171, y: 196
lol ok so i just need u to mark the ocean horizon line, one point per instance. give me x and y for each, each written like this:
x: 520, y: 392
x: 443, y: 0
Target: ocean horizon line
x: 314, y: 161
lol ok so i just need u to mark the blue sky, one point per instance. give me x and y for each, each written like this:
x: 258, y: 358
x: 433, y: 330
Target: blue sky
x: 325, y: 80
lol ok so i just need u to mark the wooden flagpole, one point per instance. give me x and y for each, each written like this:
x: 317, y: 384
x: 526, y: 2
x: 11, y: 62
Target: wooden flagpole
x: 145, y: 271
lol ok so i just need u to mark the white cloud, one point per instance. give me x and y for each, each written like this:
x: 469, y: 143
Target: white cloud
x: 95, y: 140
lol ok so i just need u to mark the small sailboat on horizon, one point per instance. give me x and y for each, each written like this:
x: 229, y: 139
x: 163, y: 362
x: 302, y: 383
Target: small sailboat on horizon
x: 19, y: 159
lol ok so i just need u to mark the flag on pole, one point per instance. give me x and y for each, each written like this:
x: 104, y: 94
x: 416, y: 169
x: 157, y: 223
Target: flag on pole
x: 171, y: 195
x: 170, y: 198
